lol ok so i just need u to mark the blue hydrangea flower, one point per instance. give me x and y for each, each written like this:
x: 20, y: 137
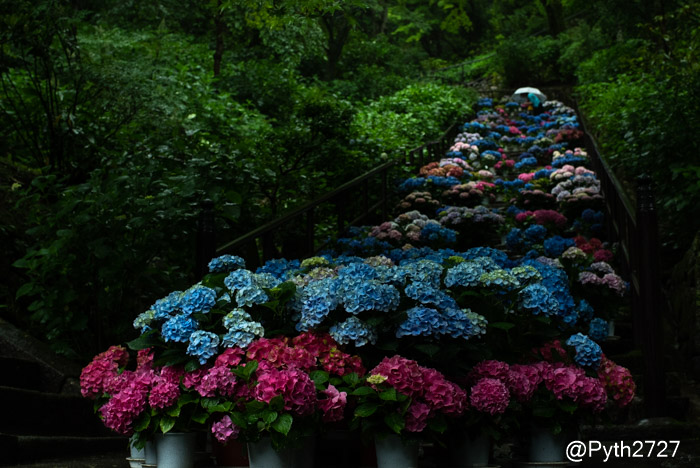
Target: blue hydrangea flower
x: 178, y: 328
x: 203, y: 345
x: 598, y: 329
x: 556, y: 245
x: 588, y: 352
x: 280, y: 268
x: 535, y: 233
x: 198, y: 299
x: 242, y: 329
x: 459, y: 323
x: 413, y: 183
x: 357, y: 270
x: 479, y: 323
x: 434, y: 232
x: 514, y: 239
x: 468, y: 273
x: 250, y: 295
x: 369, y: 295
x: 585, y: 310
x: 143, y: 321
x: 226, y: 263
x: 167, y: 306
x: 316, y: 300
x: 239, y: 279
x: 536, y: 299
x: 526, y: 274
x: 501, y: 280
x: 422, y: 271
x: 422, y: 321
x: 353, y: 330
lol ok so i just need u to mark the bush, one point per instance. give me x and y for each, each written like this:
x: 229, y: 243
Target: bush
x: 414, y: 115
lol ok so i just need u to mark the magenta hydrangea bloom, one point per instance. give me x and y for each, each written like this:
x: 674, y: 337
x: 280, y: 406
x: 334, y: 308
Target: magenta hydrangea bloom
x: 590, y: 393
x: 618, y: 382
x: 403, y: 374
x: 489, y: 369
x: 443, y: 395
x: 417, y: 416
x: 560, y: 380
x: 218, y: 381
x: 224, y: 429
x: 490, y: 396
x: 95, y: 377
x: 296, y: 387
x: 164, y: 392
x: 230, y: 357
x: 333, y: 406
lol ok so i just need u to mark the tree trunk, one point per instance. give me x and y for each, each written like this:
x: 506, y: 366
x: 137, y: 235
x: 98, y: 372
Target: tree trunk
x: 337, y: 30
x: 555, y: 16
x: 219, y: 38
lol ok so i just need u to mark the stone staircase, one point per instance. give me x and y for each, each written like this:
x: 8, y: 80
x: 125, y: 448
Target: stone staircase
x: 43, y: 415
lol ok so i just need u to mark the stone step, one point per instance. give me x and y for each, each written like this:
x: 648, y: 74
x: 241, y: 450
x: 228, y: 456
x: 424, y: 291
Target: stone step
x: 30, y: 412
x: 20, y: 373
x: 30, y: 449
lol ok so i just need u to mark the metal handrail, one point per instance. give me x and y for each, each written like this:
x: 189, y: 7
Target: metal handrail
x: 413, y: 158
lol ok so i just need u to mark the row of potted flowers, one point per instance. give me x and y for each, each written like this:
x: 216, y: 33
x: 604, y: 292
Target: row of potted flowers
x: 478, y: 310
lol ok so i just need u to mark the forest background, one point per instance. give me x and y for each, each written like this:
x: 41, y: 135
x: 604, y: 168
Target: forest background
x: 118, y: 118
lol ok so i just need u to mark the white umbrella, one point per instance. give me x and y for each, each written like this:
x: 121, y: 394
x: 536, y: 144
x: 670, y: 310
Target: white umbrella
x: 520, y: 94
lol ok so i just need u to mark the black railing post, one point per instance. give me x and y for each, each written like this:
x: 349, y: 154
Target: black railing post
x: 385, y: 207
x: 310, y: 247
x: 650, y: 301
x: 206, y: 238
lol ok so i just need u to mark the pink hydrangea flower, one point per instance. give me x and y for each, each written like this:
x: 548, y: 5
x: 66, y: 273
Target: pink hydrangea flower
x: 95, y: 376
x: 521, y: 383
x: 333, y: 406
x: 295, y: 386
x: 315, y: 343
x: 417, y: 416
x: 403, y: 374
x: 490, y: 368
x: 490, y: 396
x: 194, y: 378
x: 339, y: 363
x: 164, y: 392
x: 218, y: 380
x: 231, y: 357
x: 560, y: 381
x: 590, y: 393
x: 618, y: 382
x: 527, y: 177
x: 224, y: 429
x: 441, y: 394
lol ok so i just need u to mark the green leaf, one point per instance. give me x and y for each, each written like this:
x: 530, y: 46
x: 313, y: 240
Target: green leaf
x: 366, y: 409
x: 361, y: 391
x: 166, y: 423
x: 200, y: 417
x: 24, y: 290
x: 245, y: 372
x: 389, y: 395
x: 351, y: 379
x: 437, y: 424
x: 395, y: 422
x: 143, y: 422
x: 319, y: 376
x: 147, y: 340
x: 502, y: 325
x: 174, y: 411
x: 429, y: 349
x: 210, y: 402
x: 192, y: 365
x: 269, y: 416
x: 283, y: 424
x: 543, y: 411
